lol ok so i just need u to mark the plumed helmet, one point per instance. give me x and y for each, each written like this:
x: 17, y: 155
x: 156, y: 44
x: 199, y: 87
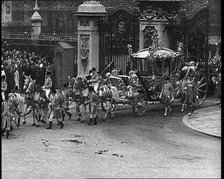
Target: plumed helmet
x: 191, y: 63
x: 108, y: 75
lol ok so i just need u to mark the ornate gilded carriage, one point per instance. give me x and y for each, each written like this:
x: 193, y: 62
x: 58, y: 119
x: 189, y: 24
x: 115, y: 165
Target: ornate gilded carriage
x: 154, y: 65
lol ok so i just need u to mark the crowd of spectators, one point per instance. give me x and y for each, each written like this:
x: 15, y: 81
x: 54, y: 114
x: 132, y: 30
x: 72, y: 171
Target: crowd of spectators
x: 16, y: 64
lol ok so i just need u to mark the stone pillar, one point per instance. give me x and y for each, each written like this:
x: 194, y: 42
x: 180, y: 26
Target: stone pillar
x: 88, y: 36
x: 36, y: 21
x: 6, y: 12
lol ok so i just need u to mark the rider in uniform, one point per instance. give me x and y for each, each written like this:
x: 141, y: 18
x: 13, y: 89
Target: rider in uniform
x: 94, y: 79
x: 107, y: 80
x: 48, y: 84
x: 4, y: 87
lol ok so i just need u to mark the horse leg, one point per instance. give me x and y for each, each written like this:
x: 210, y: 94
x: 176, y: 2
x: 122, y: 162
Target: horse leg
x: 84, y: 115
x: 45, y: 114
x: 63, y: 114
x: 107, y: 110
x: 34, y: 116
x: 24, y: 117
x: 78, y: 111
x: 60, y: 118
x: 111, y: 110
x: 67, y: 111
x: 8, y: 125
x: 38, y: 117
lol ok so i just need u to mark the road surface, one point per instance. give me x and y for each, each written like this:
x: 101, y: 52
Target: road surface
x: 151, y: 146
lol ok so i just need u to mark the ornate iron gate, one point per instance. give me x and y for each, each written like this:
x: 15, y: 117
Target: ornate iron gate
x: 116, y: 32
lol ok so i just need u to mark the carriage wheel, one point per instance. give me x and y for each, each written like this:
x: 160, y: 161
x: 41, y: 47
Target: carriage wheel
x: 202, y: 87
x: 140, y: 105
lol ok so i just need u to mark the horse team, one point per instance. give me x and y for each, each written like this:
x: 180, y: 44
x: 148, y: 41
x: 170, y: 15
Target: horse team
x: 84, y: 93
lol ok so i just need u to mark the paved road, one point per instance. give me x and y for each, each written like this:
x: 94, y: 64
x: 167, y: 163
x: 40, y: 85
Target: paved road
x: 151, y: 146
x: 206, y: 120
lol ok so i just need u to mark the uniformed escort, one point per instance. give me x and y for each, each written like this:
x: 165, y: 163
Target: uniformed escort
x: 94, y: 79
x: 4, y: 87
x: 93, y: 103
x: 48, y: 84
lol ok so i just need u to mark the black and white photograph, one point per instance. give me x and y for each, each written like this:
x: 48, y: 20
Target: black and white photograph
x: 110, y: 89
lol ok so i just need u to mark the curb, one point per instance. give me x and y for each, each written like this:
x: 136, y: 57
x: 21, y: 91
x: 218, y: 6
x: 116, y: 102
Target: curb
x: 186, y: 122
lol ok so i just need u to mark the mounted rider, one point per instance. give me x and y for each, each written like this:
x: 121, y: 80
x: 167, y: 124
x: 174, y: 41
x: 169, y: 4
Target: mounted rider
x: 188, y: 69
x: 94, y: 79
x: 48, y: 84
x: 107, y: 80
x: 4, y: 87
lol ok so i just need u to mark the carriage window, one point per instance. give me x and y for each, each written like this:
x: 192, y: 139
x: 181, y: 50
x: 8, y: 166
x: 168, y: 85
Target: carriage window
x: 142, y: 65
x: 173, y: 65
x: 166, y: 68
x: 158, y: 66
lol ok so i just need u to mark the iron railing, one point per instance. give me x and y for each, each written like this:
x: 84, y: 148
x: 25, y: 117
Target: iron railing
x: 45, y: 37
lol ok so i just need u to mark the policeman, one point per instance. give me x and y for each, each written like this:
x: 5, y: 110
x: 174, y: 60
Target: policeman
x: 48, y: 84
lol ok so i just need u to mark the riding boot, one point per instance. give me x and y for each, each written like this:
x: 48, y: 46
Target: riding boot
x: 3, y: 131
x: 50, y: 125
x: 94, y: 121
x: 183, y: 106
x: 192, y: 109
x: 90, y: 121
x: 18, y: 124
x: 62, y: 125
x: 7, y: 134
x: 70, y: 115
x: 63, y: 117
x: 165, y: 114
x: 79, y: 118
x: 170, y: 109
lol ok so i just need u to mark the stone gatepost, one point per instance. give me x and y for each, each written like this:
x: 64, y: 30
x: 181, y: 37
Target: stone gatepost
x: 154, y: 21
x: 36, y: 21
x: 88, y: 14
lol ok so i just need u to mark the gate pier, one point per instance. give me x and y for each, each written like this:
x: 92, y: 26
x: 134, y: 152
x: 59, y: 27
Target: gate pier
x: 88, y: 14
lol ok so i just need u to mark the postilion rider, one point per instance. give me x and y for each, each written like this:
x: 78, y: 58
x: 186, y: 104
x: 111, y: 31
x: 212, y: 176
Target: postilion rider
x: 3, y: 87
x: 94, y: 79
x: 48, y: 84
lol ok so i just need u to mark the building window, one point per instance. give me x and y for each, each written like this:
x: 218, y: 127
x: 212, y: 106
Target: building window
x: 8, y: 9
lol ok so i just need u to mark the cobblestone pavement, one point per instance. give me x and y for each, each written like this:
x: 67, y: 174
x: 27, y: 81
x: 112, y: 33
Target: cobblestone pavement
x: 207, y: 120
